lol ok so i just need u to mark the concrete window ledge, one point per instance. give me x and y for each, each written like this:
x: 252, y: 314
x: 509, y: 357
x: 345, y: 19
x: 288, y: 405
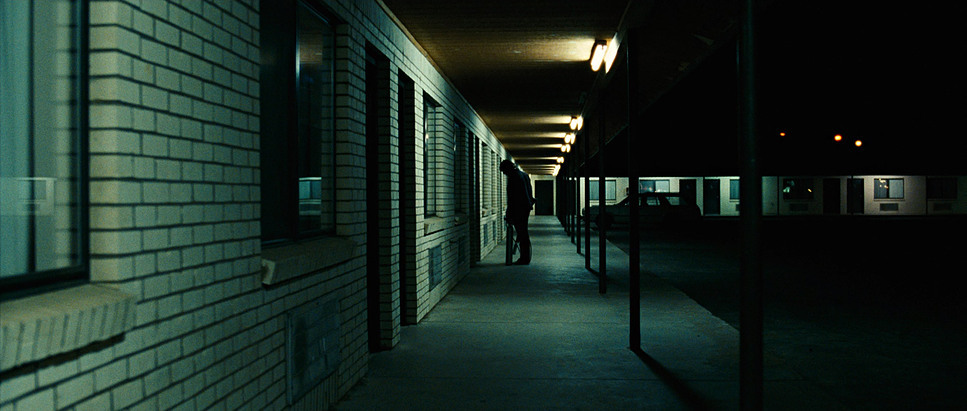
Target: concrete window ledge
x: 435, y: 224
x: 297, y: 259
x: 44, y: 325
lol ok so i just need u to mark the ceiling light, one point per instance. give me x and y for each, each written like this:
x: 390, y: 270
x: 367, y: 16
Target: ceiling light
x: 577, y: 123
x: 569, y: 138
x: 597, y: 54
x: 560, y: 160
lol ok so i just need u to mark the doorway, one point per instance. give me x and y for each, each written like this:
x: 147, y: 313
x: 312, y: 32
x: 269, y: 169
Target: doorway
x: 544, y: 192
x: 855, y: 198
x: 382, y: 324
x: 711, y: 203
x: 688, y: 189
x: 831, y: 196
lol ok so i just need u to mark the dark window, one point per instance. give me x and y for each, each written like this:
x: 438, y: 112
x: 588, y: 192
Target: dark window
x: 610, y: 190
x: 43, y: 136
x: 432, y: 155
x: 298, y: 137
x: 942, y: 188
x: 797, y: 189
x: 654, y: 186
x: 734, y: 189
x: 888, y: 188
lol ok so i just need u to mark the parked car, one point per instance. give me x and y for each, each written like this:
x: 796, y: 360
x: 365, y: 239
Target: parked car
x: 655, y: 210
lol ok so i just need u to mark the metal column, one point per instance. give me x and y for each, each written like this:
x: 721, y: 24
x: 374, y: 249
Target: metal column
x: 750, y: 203
x: 586, y: 149
x: 634, y: 246
x: 602, y: 228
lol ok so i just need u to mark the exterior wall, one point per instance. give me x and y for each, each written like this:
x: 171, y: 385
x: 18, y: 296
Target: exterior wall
x: 914, y: 201
x: 175, y: 214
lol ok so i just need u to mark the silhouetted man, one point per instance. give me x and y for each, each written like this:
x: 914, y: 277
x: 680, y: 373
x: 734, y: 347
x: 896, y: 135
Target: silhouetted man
x: 519, y: 205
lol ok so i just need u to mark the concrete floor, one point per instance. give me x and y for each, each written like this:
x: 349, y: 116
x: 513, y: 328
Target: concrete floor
x: 542, y: 337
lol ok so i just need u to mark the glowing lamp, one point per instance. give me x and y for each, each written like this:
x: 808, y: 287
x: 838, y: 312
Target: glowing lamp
x: 858, y: 143
x: 838, y: 137
x: 597, y: 54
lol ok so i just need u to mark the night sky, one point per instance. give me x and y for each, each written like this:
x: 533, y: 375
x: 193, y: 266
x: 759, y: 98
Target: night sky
x: 892, y: 77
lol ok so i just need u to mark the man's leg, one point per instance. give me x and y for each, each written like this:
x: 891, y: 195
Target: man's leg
x: 524, y: 238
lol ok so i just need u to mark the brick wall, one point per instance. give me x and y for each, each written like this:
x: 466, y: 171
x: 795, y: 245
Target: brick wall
x: 175, y: 211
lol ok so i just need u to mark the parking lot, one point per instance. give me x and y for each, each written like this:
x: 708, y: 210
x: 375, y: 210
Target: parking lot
x: 868, y: 309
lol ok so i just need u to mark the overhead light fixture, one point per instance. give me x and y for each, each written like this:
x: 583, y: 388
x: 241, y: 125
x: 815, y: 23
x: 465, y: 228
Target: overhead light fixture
x: 611, y: 53
x: 565, y: 148
x: 560, y: 160
x: 576, y: 123
x: 569, y: 138
x: 597, y: 54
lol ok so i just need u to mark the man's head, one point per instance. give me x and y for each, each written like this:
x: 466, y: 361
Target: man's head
x: 507, y: 166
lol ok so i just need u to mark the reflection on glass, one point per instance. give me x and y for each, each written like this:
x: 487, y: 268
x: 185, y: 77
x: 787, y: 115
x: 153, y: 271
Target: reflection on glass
x: 316, y: 143
x: 39, y: 215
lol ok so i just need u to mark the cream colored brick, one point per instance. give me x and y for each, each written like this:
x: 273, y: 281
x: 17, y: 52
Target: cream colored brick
x: 73, y: 390
x: 43, y: 400
x: 127, y: 394
x: 115, y: 242
x: 114, y: 38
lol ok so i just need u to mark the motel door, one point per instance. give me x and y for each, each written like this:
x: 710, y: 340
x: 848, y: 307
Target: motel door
x: 544, y: 193
x: 831, y: 196
x: 711, y: 202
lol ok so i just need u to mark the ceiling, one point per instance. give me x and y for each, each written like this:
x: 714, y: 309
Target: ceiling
x: 522, y: 64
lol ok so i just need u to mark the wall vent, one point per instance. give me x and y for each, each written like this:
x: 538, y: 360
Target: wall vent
x: 889, y: 207
x: 312, y: 346
x: 799, y: 207
x: 942, y: 207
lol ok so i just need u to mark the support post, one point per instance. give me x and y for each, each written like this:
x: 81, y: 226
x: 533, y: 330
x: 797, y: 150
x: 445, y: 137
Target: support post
x: 634, y: 246
x: 602, y: 208
x: 586, y: 149
x: 750, y: 203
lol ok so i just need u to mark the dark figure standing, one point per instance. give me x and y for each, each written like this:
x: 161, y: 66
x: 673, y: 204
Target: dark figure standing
x: 520, y: 202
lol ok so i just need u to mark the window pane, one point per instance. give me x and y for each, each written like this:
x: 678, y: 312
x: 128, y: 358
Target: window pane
x: 734, y: 190
x: 646, y: 186
x: 39, y: 211
x: 316, y: 142
x: 662, y: 186
x: 593, y: 189
x: 896, y: 188
x: 610, y: 190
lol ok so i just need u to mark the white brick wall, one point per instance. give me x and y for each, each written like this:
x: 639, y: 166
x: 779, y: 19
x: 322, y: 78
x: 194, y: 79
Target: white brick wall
x: 175, y: 210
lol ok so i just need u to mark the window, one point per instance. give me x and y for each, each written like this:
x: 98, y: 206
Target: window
x: 43, y: 193
x: 654, y: 186
x: 797, y: 189
x: 610, y: 190
x: 298, y: 138
x: 734, y: 189
x: 942, y: 188
x: 432, y: 155
x: 888, y: 188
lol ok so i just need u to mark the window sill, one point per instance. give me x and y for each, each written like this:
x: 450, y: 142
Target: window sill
x: 435, y: 224
x: 44, y: 325
x: 297, y: 259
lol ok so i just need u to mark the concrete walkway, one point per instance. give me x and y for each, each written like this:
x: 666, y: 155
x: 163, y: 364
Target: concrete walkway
x: 542, y: 337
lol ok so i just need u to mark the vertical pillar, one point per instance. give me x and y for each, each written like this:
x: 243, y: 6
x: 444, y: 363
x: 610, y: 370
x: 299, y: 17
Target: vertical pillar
x: 750, y: 203
x: 586, y: 149
x: 634, y: 246
x: 577, y: 196
x: 602, y: 228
